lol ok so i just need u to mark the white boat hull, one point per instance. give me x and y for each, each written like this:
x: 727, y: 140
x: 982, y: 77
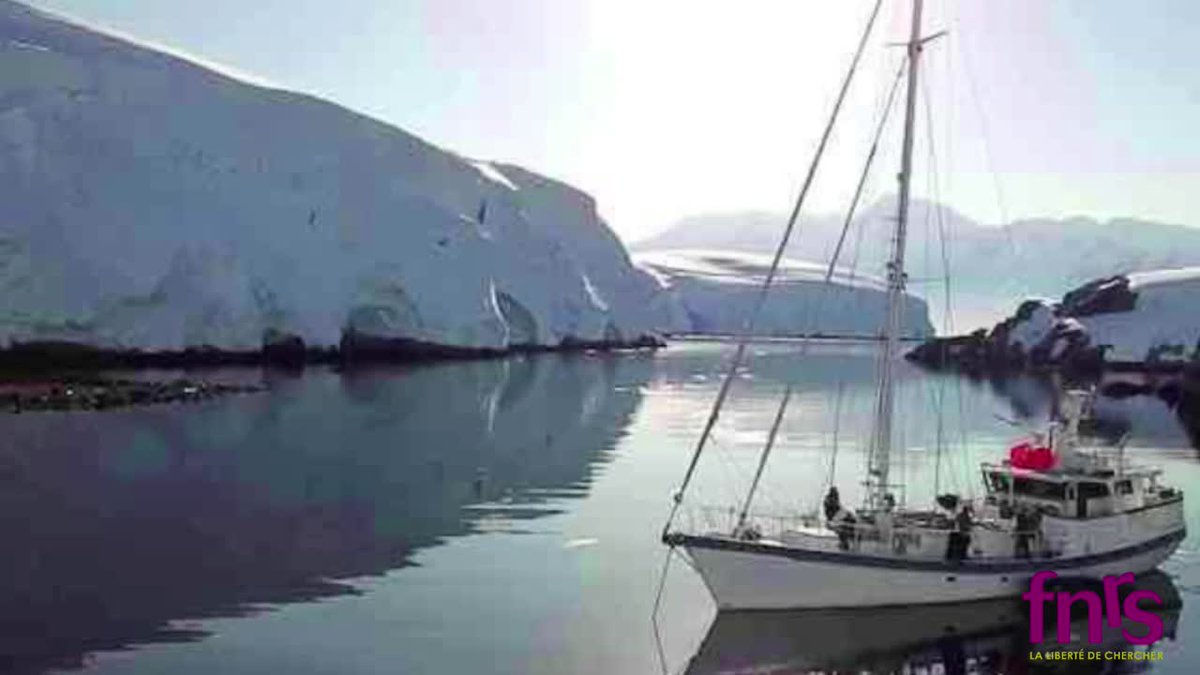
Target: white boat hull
x: 743, y: 575
x: 913, y: 639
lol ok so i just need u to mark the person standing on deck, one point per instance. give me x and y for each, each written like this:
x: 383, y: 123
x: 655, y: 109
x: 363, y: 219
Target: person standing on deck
x: 959, y: 540
x: 838, y: 519
x: 833, y: 503
x: 1024, y: 533
x: 963, y: 524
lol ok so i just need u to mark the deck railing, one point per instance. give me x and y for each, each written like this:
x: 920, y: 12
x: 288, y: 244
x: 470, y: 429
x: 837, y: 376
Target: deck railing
x: 903, y: 533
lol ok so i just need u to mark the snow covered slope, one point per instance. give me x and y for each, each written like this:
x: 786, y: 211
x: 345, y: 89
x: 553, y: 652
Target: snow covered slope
x: 712, y: 291
x: 146, y: 202
x: 1139, y: 317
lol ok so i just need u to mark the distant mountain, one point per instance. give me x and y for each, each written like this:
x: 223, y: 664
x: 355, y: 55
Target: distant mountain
x: 990, y: 267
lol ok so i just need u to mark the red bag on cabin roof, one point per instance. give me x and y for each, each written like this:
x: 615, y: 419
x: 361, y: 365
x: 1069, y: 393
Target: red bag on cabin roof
x: 1025, y: 455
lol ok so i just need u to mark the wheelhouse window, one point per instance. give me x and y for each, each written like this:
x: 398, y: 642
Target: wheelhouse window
x: 1028, y: 487
x: 1090, y: 490
x: 1124, y: 487
x: 999, y: 482
x: 1039, y: 489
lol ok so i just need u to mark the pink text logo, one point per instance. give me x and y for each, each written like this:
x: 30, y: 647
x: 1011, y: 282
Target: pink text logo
x: 1111, y: 609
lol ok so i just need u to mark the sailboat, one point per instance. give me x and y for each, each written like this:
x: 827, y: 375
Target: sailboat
x: 1053, y: 504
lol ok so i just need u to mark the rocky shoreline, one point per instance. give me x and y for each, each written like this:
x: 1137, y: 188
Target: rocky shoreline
x: 43, y: 376
x: 58, y: 356
x: 72, y: 393
x: 984, y: 352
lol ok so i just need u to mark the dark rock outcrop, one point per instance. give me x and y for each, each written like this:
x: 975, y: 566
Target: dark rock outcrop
x: 1039, y: 334
x: 1102, y: 296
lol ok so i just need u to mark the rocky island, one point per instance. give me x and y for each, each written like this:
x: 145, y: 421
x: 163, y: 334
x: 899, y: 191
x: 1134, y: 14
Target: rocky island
x: 1138, y: 321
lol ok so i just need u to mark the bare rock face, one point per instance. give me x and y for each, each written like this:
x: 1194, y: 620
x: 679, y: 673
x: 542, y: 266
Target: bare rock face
x: 1102, y: 296
x: 148, y: 203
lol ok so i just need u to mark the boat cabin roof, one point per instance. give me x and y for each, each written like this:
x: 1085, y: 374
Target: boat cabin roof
x: 1072, y: 474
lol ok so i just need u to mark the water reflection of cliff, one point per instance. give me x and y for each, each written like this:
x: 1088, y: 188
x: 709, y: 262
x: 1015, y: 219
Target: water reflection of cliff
x: 819, y: 365
x: 115, y: 524
x: 979, y: 637
x: 1146, y: 410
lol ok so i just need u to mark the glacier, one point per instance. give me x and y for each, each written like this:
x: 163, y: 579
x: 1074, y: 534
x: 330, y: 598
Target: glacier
x: 147, y: 202
x: 990, y: 264
x: 712, y: 292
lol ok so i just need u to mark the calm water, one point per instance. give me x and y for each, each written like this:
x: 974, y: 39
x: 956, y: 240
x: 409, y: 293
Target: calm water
x: 487, y: 517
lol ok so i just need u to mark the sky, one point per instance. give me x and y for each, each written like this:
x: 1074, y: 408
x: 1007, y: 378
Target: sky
x: 667, y: 108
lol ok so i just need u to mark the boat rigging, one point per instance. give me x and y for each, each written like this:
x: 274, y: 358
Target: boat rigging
x: 1052, y: 504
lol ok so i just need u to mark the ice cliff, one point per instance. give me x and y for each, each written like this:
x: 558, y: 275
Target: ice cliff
x: 148, y: 202
x: 713, y: 291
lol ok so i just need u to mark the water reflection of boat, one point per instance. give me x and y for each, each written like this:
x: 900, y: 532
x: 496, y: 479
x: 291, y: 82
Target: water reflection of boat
x: 119, y: 524
x: 880, y: 639
x: 990, y: 636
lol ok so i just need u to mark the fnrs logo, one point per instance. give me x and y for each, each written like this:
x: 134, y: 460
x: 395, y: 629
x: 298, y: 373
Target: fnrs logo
x: 1112, y: 610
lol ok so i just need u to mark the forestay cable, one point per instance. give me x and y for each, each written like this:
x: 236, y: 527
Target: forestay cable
x: 815, y: 309
x: 748, y: 326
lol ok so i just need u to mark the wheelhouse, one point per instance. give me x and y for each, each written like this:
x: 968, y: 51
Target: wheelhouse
x: 1072, y: 494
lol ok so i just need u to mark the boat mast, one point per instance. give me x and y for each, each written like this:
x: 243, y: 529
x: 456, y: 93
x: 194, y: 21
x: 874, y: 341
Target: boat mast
x: 877, y: 480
